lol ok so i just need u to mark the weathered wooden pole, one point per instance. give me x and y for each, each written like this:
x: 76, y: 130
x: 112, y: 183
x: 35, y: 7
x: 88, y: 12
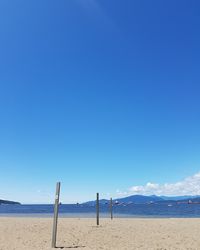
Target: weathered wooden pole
x: 97, y: 209
x: 55, y: 220
x: 111, y: 208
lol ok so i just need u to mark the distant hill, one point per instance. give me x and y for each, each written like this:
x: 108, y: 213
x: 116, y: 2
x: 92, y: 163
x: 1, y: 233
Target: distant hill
x: 5, y: 202
x: 139, y: 199
x: 142, y: 199
x: 92, y: 203
x: 176, y: 198
x: 191, y: 200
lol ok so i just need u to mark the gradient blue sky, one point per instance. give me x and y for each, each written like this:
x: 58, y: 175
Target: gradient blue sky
x: 101, y: 95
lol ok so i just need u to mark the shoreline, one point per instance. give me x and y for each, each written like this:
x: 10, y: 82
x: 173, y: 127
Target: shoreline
x: 91, y: 216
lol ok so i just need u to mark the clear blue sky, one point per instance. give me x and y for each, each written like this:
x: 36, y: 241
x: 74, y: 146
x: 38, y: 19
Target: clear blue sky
x: 101, y: 95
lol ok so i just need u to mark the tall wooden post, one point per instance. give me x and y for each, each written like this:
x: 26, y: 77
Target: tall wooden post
x: 55, y: 220
x: 97, y: 209
x: 111, y: 208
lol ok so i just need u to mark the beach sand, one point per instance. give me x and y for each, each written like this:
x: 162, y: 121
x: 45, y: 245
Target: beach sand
x: 155, y: 234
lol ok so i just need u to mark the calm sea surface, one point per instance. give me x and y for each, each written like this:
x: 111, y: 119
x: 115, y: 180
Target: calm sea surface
x: 151, y: 210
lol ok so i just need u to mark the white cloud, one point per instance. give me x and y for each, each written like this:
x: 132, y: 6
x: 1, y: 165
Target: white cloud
x: 188, y: 186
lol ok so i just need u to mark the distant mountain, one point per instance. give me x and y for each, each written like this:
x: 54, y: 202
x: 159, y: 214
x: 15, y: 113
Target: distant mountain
x: 5, y: 202
x: 191, y: 200
x: 176, y: 198
x: 139, y: 199
x: 142, y: 199
x: 92, y: 203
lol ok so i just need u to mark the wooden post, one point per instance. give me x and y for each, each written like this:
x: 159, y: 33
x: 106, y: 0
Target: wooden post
x: 97, y: 207
x: 111, y: 209
x: 55, y: 220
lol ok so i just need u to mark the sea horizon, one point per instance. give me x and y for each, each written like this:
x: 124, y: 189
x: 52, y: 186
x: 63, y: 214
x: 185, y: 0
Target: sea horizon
x: 89, y: 211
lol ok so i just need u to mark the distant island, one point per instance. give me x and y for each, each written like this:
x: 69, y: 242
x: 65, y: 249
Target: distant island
x: 5, y: 202
x: 152, y: 199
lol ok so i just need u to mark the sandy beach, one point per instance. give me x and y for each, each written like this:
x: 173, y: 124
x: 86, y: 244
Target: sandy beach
x: 160, y: 234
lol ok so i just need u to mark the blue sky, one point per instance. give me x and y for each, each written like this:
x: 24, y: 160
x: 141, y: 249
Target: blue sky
x: 101, y: 95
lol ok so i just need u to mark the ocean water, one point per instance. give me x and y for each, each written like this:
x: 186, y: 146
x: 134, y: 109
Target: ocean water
x: 86, y: 211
